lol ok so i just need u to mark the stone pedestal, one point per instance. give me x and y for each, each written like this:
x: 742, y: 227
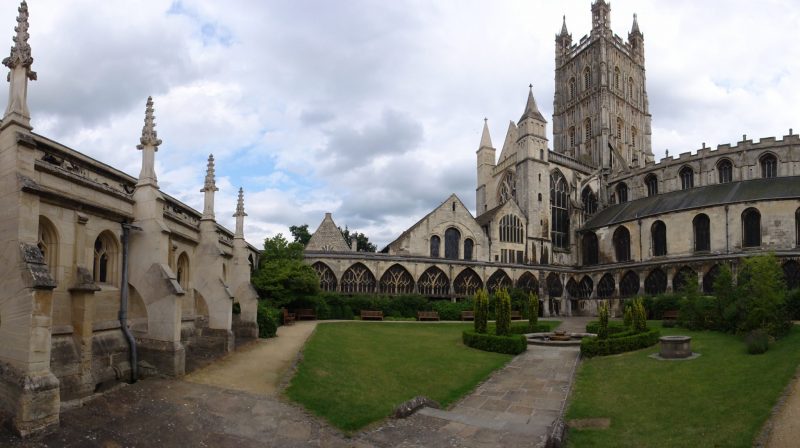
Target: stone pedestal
x: 675, y: 347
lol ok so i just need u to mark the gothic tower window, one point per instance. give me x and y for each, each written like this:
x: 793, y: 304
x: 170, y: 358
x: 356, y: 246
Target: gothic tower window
x: 622, y: 244
x: 469, y: 246
x: 659, y: 234
x: 572, y: 136
x: 589, y: 203
x: 508, y: 188
x: 630, y: 88
x: 452, y: 241
x: 587, y: 78
x: 511, y: 230
x: 590, y: 248
x: 687, y: 178
x: 435, y: 243
x: 652, y: 185
x: 48, y: 244
x: 616, y: 78
x: 572, y: 88
x: 769, y: 166
x: 751, y: 228
x: 619, y: 128
x: 702, y: 233
x: 725, y: 171
x: 587, y: 129
x: 105, y: 258
x: 633, y: 137
x: 622, y: 192
x: 559, y: 212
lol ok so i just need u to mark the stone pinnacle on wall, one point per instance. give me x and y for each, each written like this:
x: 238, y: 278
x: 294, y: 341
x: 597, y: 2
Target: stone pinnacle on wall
x: 209, y: 187
x: 20, y: 61
x: 149, y: 134
x: 239, y: 215
x: 564, y: 31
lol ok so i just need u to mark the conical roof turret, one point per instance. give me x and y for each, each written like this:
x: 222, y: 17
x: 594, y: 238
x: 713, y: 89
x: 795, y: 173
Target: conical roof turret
x: 635, y: 27
x: 564, y: 31
x: 486, y: 139
x: 531, y: 110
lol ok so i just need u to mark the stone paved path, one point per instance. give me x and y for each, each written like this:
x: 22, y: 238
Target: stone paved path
x: 785, y: 424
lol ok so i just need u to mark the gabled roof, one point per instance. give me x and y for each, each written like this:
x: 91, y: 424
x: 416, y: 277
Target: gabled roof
x: 328, y: 237
x: 510, y: 144
x: 452, y: 197
x: 710, y: 195
x: 487, y: 217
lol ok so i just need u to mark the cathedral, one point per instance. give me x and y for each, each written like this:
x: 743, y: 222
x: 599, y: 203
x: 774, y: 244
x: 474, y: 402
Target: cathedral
x: 590, y: 216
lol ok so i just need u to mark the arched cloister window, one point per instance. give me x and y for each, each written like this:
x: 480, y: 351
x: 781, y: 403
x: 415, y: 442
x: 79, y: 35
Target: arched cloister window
x: 659, y: 233
x: 587, y: 78
x: 467, y: 282
x: 106, y: 252
x: 616, y: 77
x: 572, y: 88
x: 358, y: 279
x: 751, y: 228
x: 589, y: 200
x: 571, y: 134
x: 585, y: 287
x: 651, y: 181
x: 182, y: 271
x: 48, y: 244
x: 435, y: 243
x: 469, y: 247
x: 511, y: 229
x: 633, y: 137
x: 620, y: 126
x: 687, y: 178
x: 629, y: 285
x: 327, y: 279
x: 554, y: 286
x: 528, y: 283
x: 791, y: 274
x: 498, y: 280
x: 606, y: 287
x: 452, y: 242
x: 559, y: 210
x: 433, y: 283
x: 622, y: 192
x: 725, y: 171
x: 572, y: 288
x: 587, y: 130
x: 656, y: 282
x: 590, y: 248
x: 769, y: 166
x: 396, y: 280
x: 702, y: 233
x: 684, y: 277
x: 709, y: 279
x: 622, y: 243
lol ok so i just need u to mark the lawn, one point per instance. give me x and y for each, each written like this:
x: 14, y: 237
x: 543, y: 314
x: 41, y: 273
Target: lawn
x: 353, y: 374
x: 721, y: 398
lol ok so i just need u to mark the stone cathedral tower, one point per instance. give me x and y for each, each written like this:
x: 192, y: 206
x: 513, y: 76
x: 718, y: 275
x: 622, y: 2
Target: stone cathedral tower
x: 600, y: 109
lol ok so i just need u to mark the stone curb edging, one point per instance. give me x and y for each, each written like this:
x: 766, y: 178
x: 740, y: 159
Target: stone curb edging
x: 557, y: 433
x: 766, y: 430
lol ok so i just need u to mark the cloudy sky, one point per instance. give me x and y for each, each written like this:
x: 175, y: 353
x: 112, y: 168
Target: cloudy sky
x: 373, y: 109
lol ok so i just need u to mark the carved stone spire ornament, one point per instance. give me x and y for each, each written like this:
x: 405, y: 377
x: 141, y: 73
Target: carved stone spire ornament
x: 19, y: 62
x: 209, y: 187
x: 148, y: 145
x: 239, y: 215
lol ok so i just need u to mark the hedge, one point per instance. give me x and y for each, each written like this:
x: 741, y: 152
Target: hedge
x: 619, y: 343
x: 268, y: 320
x: 613, y: 327
x: 512, y: 345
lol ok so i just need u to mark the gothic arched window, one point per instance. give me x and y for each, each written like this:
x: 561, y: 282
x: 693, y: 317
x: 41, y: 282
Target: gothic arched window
x: 358, y: 279
x: 327, y: 279
x: 769, y: 166
x: 554, y: 286
x: 508, y: 188
x: 751, y: 228
x: 587, y: 78
x: 616, y: 77
x: 633, y: 137
x: 559, y: 211
x: 469, y: 246
x: 182, y: 273
x: 572, y: 136
x: 687, y: 178
x: 587, y: 129
x: 709, y: 279
x: 528, y: 283
x: 655, y: 283
x: 619, y: 128
x: 652, y: 184
x: 702, y: 233
x: 630, y: 88
x: 590, y: 248
x: 629, y: 285
x: 606, y: 287
x: 105, y: 258
x: 433, y: 283
x: 396, y: 280
x: 622, y: 192
x: 452, y: 241
x: 511, y: 229
x: 435, y: 243
x: 725, y: 171
x: 684, y: 277
x: 622, y: 244
x: 571, y: 88
x: 585, y: 287
x: 659, y: 232
x: 589, y: 202
x: 48, y: 244
x: 467, y: 282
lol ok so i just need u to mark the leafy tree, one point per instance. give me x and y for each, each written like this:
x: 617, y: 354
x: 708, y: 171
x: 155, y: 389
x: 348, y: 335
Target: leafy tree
x: 762, y: 296
x: 301, y: 234
x: 362, y: 242
x: 282, y: 276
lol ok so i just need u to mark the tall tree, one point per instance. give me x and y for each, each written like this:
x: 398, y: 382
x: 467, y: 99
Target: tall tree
x: 362, y: 241
x: 282, y: 276
x: 301, y: 234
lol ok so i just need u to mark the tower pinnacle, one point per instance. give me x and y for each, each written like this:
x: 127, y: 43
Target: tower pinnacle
x: 20, y: 61
x: 239, y: 215
x: 635, y: 27
x: 209, y: 187
x: 486, y: 140
x: 148, y: 144
x: 564, y: 31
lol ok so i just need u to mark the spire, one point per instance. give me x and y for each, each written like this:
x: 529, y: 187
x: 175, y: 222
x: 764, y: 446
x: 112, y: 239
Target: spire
x: 149, y: 134
x: 564, y: 31
x: 531, y: 110
x: 635, y: 27
x: 486, y: 140
x: 20, y: 62
x: 209, y: 187
x: 239, y: 215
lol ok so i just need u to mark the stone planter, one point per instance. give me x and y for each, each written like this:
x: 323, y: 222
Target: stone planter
x: 675, y: 347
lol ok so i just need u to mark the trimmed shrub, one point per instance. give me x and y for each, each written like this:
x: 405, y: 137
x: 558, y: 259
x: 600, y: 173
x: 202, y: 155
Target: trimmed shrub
x: 614, y: 327
x: 699, y: 313
x: 757, y: 342
x: 602, y: 329
x: 267, y: 319
x: 512, y: 345
x: 658, y: 304
x: 533, y: 311
x: 639, y: 316
x: 793, y: 304
x: 481, y: 304
x: 450, y: 310
x: 619, y: 343
x: 627, y: 318
x: 522, y: 328
x: 503, y: 312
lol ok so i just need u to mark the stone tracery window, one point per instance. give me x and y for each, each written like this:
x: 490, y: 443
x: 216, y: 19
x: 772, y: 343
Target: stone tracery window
x: 606, y: 287
x: 511, y: 229
x: 619, y: 128
x: 327, y: 279
x: 508, y: 188
x: 572, y: 88
x: 585, y: 287
x: 559, y: 210
x: 702, y: 233
x: 622, y: 244
x: 396, y: 280
x: 469, y: 247
x: 629, y: 285
x: 630, y: 88
x: 589, y: 200
x: 684, y: 277
x: 622, y: 192
x: 656, y: 282
x: 435, y: 243
x: 616, y: 78
x: 687, y: 178
x: 528, y: 283
x: 105, y: 258
x: 358, y: 279
x: 769, y: 166
x: 452, y: 241
x: 590, y: 248
x: 651, y: 181
x: 587, y: 129
x: 497, y: 281
x: 725, y: 171
x: 571, y: 134
x: 554, y: 286
x: 433, y: 283
x: 658, y: 232
x: 633, y: 137
x: 751, y: 228
x: 467, y: 282
x: 587, y: 78
x: 709, y: 278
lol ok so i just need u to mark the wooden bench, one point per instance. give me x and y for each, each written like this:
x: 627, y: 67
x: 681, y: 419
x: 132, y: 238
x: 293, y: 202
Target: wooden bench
x: 371, y: 315
x: 467, y: 315
x: 305, y: 313
x: 516, y: 315
x: 288, y: 318
x: 427, y: 315
x: 670, y: 315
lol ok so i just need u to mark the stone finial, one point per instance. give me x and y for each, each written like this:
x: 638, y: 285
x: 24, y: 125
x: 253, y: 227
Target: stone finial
x: 564, y: 31
x: 149, y: 134
x: 210, y: 184
x: 21, y: 51
x: 486, y: 139
x: 240, y: 204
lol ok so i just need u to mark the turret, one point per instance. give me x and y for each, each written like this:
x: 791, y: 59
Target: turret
x: 19, y: 62
x: 486, y: 162
x: 532, y: 130
x: 601, y: 17
x: 563, y: 42
x: 636, y: 41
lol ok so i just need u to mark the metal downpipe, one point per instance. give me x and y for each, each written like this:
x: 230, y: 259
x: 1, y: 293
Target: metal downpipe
x: 123, y: 303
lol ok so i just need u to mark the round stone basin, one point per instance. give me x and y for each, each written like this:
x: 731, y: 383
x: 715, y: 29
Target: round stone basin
x: 557, y: 338
x: 675, y: 347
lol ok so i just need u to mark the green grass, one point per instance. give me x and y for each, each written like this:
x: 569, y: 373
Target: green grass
x: 353, y: 374
x: 721, y: 398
